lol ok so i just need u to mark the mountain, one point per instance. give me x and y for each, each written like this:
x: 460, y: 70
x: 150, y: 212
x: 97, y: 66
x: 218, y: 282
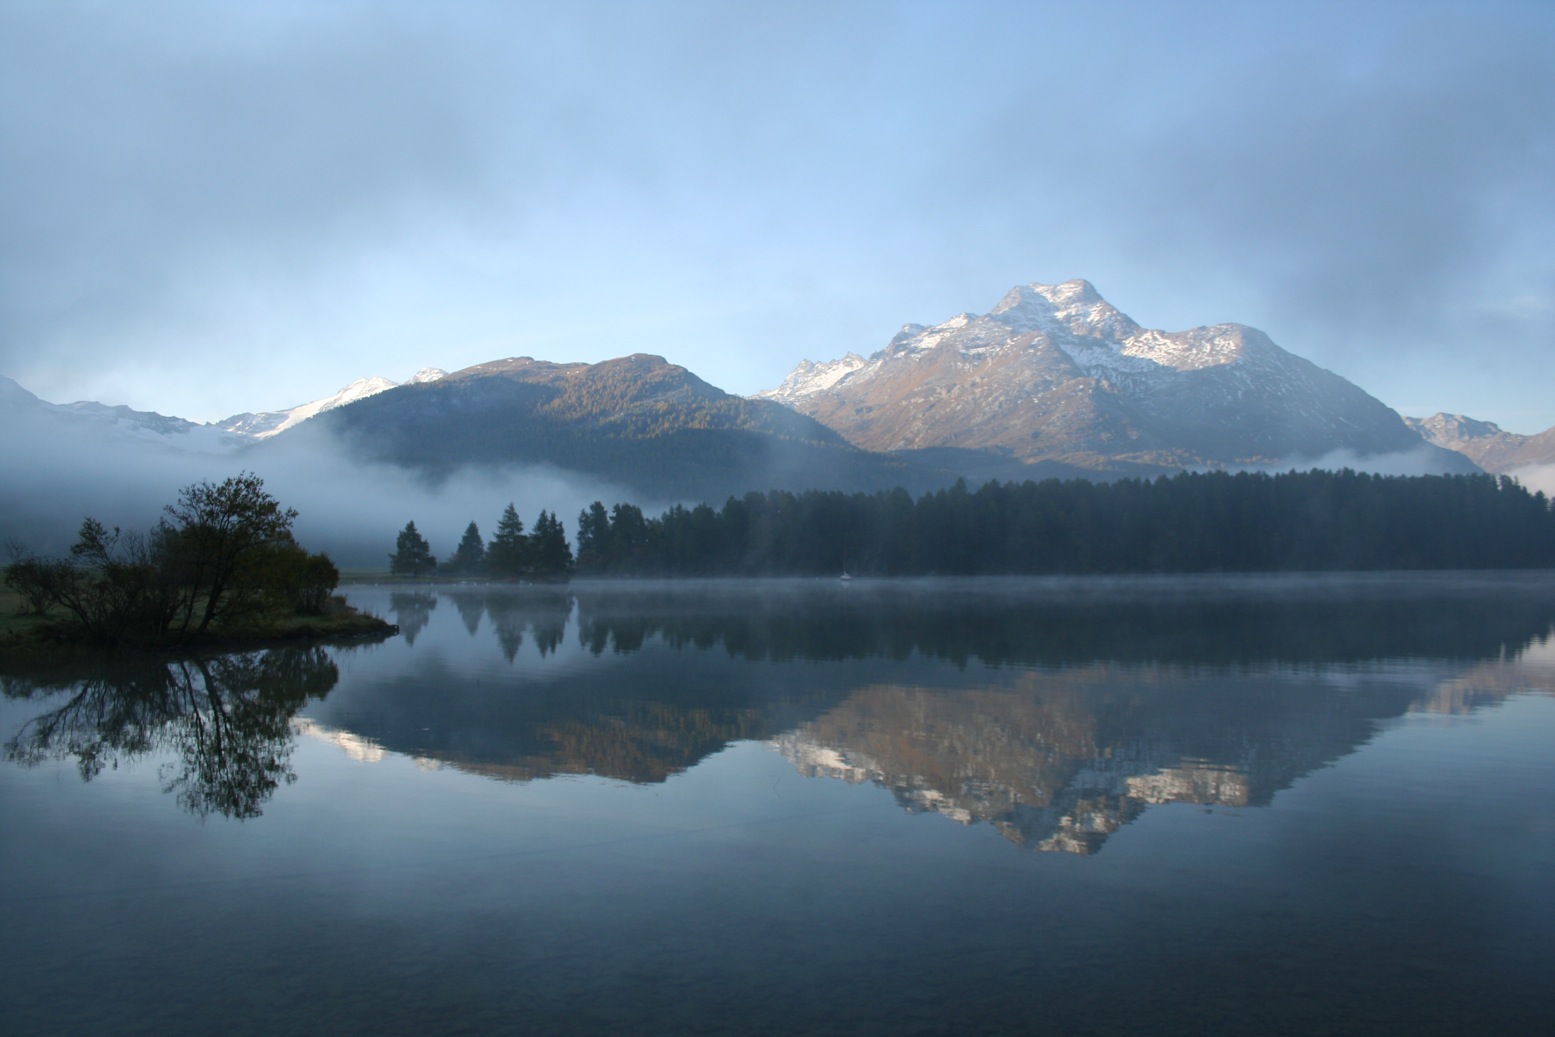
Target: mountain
x: 1055, y: 380
x: 268, y: 423
x: 637, y: 421
x: 1485, y: 443
x: 20, y: 409
x: 149, y: 426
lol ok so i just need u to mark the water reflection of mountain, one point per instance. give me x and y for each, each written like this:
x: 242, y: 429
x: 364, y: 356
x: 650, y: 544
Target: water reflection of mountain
x: 224, y: 721
x: 660, y: 713
x: 1056, y: 717
x: 1060, y: 761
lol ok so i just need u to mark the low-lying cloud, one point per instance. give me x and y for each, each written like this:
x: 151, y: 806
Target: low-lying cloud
x: 1539, y: 478
x: 1422, y: 460
x: 54, y: 473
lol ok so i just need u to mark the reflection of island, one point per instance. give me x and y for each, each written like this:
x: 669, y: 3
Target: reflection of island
x: 226, y: 720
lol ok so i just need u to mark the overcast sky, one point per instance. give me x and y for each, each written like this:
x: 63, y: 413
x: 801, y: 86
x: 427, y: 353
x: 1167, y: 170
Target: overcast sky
x: 209, y: 207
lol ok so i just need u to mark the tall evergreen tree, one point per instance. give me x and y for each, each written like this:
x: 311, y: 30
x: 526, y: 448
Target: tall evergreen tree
x: 470, y: 555
x: 508, y: 554
x: 412, y: 555
x: 551, y: 557
x: 594, y: 538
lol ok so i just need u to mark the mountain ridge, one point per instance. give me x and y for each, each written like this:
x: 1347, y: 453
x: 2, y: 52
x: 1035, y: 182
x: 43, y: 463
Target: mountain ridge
x: 1054, y: 374
x: 638, y: 421
x: 1486, y: 443
x: 1053, y: 382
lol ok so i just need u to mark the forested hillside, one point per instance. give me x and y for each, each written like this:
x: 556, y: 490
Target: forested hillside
x: 1190, y: 523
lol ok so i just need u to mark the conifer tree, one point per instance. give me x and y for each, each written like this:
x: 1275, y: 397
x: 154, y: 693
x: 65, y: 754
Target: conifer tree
x: 508, y: 554
x: 412, y: 555
x: 552, y: 558
x: 470, y: 555
x: 594, y: 538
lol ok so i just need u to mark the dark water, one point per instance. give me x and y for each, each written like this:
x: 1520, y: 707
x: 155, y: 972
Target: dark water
x: 1085, y: 807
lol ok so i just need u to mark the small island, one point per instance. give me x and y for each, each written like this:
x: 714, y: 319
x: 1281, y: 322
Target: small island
x: 220, y: 570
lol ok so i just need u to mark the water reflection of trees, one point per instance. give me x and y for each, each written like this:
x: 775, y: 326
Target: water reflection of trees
x: 224, y: 722
x: 539, y: 610
x: 1303, y: 622
x: 1234, y: 621
x: 412, y: 611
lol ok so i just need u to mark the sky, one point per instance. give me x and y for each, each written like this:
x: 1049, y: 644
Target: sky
x: 210, y: 208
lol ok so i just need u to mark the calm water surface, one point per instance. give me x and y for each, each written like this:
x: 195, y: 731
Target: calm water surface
x: 1305, y: 806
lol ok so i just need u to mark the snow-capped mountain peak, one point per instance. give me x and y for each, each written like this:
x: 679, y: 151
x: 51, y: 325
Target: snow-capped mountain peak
x: 811, y: 377
x: 1073, y: 306
x: 1055, y: 372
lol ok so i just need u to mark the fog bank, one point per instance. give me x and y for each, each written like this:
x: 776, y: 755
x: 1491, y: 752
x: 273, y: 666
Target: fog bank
x: 54, y: 472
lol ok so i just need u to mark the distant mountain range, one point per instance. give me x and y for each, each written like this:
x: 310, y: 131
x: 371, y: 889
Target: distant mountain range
x: 1054, y: 381
x: 236, y: 431
x: 120, y: 422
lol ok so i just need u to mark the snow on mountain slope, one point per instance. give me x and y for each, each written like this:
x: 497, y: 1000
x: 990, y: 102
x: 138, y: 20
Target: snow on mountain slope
x: 222, y: 435
x: 1056, y: 373
x: 120, y: 422
x: 811, y: 377
x: 265, y: 424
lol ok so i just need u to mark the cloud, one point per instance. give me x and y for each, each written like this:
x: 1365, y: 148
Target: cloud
x: 1422, y: 460
x: 222, y: 207
x: 1370, y: 189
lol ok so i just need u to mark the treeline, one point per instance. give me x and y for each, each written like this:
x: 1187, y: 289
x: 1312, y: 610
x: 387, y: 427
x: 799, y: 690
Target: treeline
x: 1189, y: 523
x: 542, y: 554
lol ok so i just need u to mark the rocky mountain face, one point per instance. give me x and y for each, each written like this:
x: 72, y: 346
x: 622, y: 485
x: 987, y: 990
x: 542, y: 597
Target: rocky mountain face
x: 1055, y: 380
x: 638, y: 421
x: 1485, y: 443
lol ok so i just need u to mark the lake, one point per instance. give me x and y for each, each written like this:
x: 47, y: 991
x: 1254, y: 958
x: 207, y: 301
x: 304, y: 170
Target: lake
x: 1302, y: 805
